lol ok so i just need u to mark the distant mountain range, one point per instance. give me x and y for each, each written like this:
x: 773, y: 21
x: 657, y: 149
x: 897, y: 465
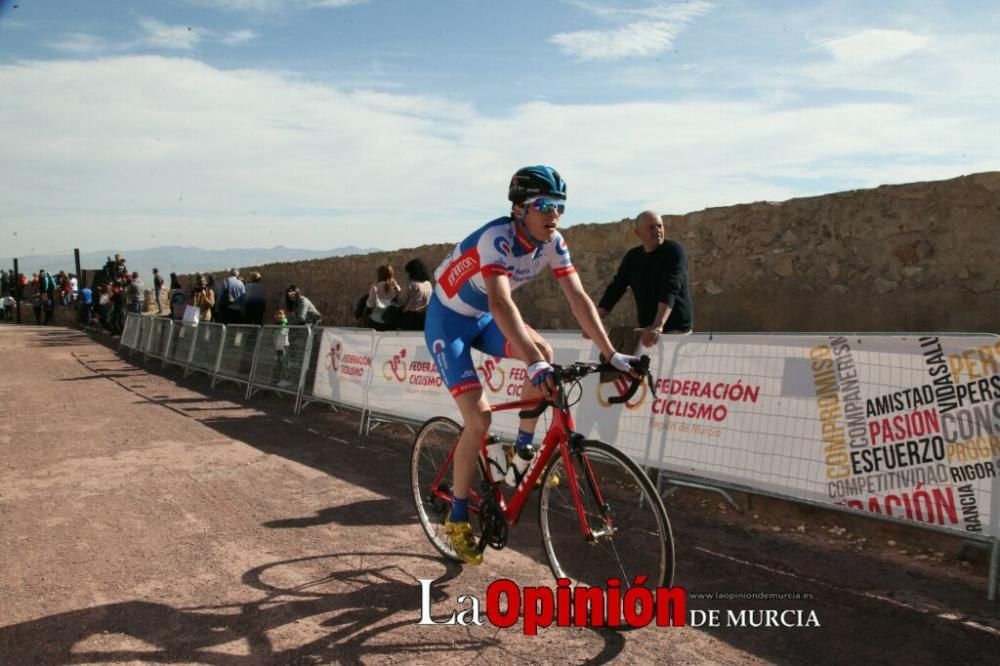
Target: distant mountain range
x: 176, y: 259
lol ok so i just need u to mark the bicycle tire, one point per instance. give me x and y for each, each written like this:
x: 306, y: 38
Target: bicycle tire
x: 642, y: 543
x: 431, y: 446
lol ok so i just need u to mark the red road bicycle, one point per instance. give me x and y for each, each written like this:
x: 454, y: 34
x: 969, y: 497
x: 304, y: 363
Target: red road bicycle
x: 599, y: 514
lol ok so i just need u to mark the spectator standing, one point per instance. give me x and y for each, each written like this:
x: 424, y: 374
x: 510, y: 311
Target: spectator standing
x: 104, y: 305
x: 381, y: 295
x: 256, y: 301
x: 657, y: 273
x: 4, y: 288
x: 118, y: 297
x: 8, y: 307
x: 203, y: 298
x: 134, y: 296
x: 216, y: 292
x: 86, y: 302
x: 36, y: 306
x: 177, y: 298
x: 233, y: 297
x: 64, y: 289
x: 74, y: 287
x: 280, y: 348
x: 299, y: 309
x: 48, y: 305
x: 158, y: 290
x: 414, y: 297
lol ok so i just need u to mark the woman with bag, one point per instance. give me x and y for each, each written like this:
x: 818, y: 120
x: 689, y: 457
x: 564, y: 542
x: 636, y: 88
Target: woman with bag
x: 299, y: 309
x: 385, y: 313
x: 415, y: 296
x: 178, y: 301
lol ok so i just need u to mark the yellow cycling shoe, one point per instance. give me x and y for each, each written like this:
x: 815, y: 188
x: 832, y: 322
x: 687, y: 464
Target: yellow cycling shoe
x: 463, y: 541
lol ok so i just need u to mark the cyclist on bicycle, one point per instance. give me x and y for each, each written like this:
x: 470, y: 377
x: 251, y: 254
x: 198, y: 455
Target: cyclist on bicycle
x: 471, y: 307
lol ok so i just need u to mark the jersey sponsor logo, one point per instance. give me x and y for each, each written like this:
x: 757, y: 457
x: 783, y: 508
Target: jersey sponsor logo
x: 502, y: 245
x: 460, y: 270
x: 438, y: 346
x: 464, y: 387
x: 561, y: 246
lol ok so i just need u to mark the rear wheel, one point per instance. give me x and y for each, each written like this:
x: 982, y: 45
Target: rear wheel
x: 631, y: 532
x: 430, y: 479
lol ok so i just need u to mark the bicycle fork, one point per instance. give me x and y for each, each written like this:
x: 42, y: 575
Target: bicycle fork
x: 591, y: 536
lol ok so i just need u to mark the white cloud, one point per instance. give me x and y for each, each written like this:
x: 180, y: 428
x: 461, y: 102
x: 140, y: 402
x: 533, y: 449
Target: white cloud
x: 80, y: 44
x: 651, y: 36
x: 274, y: 6
x: 873, y: 46
x: 238, y: 37
x: 192, y: 154
x: 157, y: 34
x: 154, y: 35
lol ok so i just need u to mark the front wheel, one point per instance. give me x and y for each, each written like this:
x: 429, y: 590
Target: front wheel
x: 630, y: 533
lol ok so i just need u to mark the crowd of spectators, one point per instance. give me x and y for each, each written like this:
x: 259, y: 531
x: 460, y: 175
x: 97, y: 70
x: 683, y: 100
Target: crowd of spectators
x: 115, y: 291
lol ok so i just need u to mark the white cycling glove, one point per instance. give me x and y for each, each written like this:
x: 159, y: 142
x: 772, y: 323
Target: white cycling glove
x: 538, y: 371
x: 622, y: 361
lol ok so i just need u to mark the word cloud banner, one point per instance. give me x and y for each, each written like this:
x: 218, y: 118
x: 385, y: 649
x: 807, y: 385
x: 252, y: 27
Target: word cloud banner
x: 907, y: 427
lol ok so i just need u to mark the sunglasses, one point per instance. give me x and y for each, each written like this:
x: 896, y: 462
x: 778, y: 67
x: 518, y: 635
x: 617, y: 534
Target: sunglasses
x: 547, y: 206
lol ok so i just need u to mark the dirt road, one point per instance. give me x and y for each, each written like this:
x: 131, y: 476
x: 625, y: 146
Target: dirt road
x: 147, y: 519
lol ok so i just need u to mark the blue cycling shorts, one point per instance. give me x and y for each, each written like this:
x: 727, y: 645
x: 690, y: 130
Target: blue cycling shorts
x: 451, y: 337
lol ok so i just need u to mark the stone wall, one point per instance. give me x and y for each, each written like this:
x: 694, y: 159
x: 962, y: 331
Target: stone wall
x: 916, y: 257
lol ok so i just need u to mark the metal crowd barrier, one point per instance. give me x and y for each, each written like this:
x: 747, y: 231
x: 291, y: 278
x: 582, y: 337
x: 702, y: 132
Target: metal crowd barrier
x: 208, y: 340
x: 239, y: 349
x: 286, y: 372
x: 130, y: 333
x: 158, y: 339
x: 181, y: 345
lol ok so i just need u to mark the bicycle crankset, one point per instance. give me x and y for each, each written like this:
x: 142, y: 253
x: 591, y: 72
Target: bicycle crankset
x: 491, y: 520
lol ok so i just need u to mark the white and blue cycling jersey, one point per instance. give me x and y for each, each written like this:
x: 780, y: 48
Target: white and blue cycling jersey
x: 497, y: 248
x: 458, y: 316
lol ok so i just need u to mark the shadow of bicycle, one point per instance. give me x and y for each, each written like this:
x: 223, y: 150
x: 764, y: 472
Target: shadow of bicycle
x: 350, y: 608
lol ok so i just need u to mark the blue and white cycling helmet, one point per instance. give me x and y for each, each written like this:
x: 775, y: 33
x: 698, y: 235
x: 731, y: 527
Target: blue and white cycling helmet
x: 533, y: 181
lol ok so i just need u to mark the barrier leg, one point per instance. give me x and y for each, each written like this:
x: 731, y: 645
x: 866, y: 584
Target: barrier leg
x: 991, y: 593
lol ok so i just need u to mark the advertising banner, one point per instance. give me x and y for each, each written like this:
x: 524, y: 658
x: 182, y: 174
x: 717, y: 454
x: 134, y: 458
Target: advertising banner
x: 902, y: 426
x: 344, y: 366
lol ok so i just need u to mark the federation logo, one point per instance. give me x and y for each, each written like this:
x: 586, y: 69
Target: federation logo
x: 620, y: 387
x: 396, y: 367
x: 493, y: 374
x: 333, y: 357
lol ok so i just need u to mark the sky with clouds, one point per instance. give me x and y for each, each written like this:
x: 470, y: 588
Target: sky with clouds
x: 393, y: 123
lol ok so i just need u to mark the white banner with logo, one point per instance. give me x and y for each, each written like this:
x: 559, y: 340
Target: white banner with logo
x: 344, y: 366
x: 907, y: 427
x: 405, y: 382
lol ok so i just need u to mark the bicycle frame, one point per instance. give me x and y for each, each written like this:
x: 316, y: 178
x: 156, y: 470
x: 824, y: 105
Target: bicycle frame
x: 557, y: 437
